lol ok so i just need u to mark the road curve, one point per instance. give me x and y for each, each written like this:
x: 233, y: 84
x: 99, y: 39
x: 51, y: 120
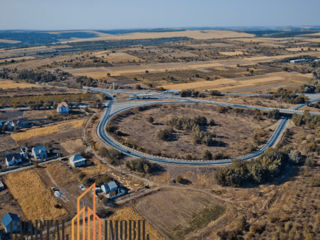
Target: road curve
x: 112, y: 109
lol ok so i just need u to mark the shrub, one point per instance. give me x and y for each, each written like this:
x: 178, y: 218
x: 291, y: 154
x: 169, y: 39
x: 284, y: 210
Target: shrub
x: 166, y: 134
x: 207, y: 155
x: 142, y: 165
x: 257, y: 171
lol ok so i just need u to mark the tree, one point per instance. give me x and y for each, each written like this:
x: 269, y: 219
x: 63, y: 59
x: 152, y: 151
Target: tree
x: 296, y: 156
x: 150, y: 119
x: 207, y: 155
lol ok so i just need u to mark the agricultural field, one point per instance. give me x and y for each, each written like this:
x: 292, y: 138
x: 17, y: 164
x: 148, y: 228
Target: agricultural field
x: 36, y: 201
x: 48, y: 130
x: 5, y: 84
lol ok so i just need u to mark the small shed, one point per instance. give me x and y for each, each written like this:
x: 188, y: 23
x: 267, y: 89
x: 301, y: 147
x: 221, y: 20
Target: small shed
x: 77, y: 160
x: 11, y: 223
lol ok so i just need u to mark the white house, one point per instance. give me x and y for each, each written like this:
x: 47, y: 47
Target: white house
x: 110, y: 188
x: 77, y: 160
x: 63, y: 108
x: 2, y: 187
x: 13, y: 159
x: 40, y: 153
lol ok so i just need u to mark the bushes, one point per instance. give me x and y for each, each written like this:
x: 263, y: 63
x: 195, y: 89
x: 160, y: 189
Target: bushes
x: 290, y: 97
x: 207, y: 155
x: 307, y: 119
x: 166, y: 134
x: 142, y: 165
x: 113, y: 156
x: 188, y: 123
x: 257, y: 171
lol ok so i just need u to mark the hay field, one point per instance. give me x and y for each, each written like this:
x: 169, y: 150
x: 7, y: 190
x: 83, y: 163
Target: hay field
x: 196, y: 34
x: 235, y: 53
x: 9, y: 41
x: 36, y: 200
x: 117, y: 57
x: 51, y: 129
x: 8, y: 84
x: 233, y: 84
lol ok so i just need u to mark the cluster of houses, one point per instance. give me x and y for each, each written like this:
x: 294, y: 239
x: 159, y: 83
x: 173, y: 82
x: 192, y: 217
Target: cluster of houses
x: 14, y: 124
x: 39, y: 153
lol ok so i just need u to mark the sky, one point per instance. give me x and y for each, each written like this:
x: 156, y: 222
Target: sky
x: 125, y: 14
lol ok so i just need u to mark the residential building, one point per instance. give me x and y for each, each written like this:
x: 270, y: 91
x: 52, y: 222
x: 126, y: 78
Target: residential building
x: 2, y: 187
x: 40, y: 153
x: 63, y: 108
x: 11, y: 223
x: 13, y: 159
x: 77, y: 160
x: 113, y: 190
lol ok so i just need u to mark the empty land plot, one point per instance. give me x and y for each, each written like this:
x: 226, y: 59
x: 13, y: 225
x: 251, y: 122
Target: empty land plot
x: 9, y: 204
x: 8, y: 84
x: 36, y: 201
x: 51, y: 129
x: 234, y: 131
x: 129, y: 213
x: 73, y: 146
x: 173, y: 212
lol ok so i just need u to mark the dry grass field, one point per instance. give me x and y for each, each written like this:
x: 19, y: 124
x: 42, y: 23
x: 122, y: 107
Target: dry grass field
x: 263, y: 83
x: 51, y: 129
x: 117, y: 57
x: 235, y: 53
x: 8, y: 84
x: 129, y: 213
x: 8, y: 41
x: 171, y: 210
x: 204, y: 35
x: 73, y: 146
x: 36, y: 200
x: 234, y: 130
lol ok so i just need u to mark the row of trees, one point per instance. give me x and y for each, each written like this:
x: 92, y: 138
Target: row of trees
x: 45, y: 101
x: 307, y: 119
x: 290, y: 97
x: 257, y: 171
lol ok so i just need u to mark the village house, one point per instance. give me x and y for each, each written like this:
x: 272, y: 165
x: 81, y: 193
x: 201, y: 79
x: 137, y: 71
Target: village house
x: 63, y: 108
x: 112, y: 190
x: 11, y: 223
x: 77, y: 160
x: 2, y: 187
x: 13, y: 159
x: 39, y: 153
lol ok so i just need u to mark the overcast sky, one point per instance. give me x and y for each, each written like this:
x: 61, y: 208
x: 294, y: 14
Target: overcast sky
x: 120, y: 14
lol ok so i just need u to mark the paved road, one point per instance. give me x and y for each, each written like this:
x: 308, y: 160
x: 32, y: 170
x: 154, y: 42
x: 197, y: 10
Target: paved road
x: 113, y: 109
